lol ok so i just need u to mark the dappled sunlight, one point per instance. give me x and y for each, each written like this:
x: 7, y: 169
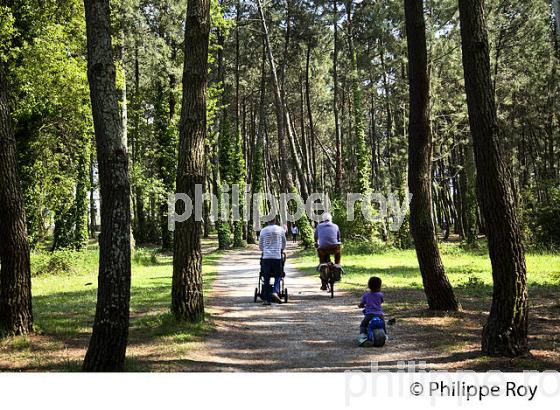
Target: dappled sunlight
x: 64, y: 308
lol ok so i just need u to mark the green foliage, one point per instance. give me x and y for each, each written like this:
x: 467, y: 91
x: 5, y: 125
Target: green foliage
x: 222, y: 225
x: 472, y: 282
x: 64, y: 305
x: 303, y: 224
x: 363, y: 247
x: 224, y: 235
x: 238, y: 176
x: 48, y: 79
x: 399, y: 268
x: 57, y: 263
x: 359, y: 228
x: 145, y: 257
x: 402, y: 238
x: 544, y: 222
x: 43, y: 46
x: 362, y: 158
x: 7, y: 33
x: 257, y: 186
x: 81, y: 204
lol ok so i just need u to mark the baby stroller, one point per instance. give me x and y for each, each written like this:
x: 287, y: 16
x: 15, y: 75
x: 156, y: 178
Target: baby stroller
x: 259, y: 290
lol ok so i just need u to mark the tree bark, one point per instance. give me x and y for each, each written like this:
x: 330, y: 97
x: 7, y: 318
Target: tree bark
x: 305, y: 141
x: 282, y: 124
x: 556, y: 9
x: 285, y: 129
x: 92, y: 204
x: 309, y: 109
x: 258, y: 173
x: 187, y: 294
x: 361, y: 177
x: 107, y: 346
x: 338, y: 170
x: 237, y: 77
x: 505, y: 332
x: 140, y: 219
x: 16, y: 316
x: 436, y: 285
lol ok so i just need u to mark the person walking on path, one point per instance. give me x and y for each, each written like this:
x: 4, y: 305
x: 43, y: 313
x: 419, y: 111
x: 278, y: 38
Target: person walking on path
x: 295, y: 232
x: 272, y: 242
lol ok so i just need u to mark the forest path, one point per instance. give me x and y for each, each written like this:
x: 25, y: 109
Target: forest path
x: 312, y: 332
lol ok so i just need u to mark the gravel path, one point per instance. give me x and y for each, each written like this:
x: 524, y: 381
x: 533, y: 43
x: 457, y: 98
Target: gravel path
x: 312, y: 332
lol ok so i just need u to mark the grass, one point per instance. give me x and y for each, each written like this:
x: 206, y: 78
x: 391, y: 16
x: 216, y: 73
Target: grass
x: 64, y: 308
x: 455, y: 334
x: 468, y: 270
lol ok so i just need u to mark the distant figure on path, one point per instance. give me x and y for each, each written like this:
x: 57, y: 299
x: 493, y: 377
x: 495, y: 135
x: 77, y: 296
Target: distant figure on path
x: 294, y: 233
x: 272, y: 242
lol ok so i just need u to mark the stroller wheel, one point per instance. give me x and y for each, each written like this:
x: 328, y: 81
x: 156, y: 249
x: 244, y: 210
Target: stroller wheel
x: 256, y: 295
x: 286, y: 295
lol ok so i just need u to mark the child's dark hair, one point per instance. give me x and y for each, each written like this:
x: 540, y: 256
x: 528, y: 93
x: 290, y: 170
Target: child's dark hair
x: 374, y: 284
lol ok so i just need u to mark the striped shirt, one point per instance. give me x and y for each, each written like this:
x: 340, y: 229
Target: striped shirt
x: 272, y: 242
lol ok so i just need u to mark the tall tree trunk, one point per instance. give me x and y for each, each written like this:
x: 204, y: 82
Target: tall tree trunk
x: 220, y: 177
x: 282, y: 124
x: 206, y: 205
x: 388, y: 115
x: 309, y: 109
x: 287, y: 39
x: 123, y: 96
x: 187, y: 297
x: 237, y: 78
x: 467, y: 184
x: 305, y: 141
x: 436, y: 285
x: 81, y: 203
x: 505, y: 332
x: 16, y: 315
x: 361, y: 181
x: 107, y: 346
x: 285, y: 129
x: 338, y: 170
x: 140, y: 219
x: 92, y: 204
x: 258, y: 173
x: 373, y: 140
x: 556, y: 9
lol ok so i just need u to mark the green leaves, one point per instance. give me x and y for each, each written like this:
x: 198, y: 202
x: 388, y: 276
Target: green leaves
x: 7, y: 33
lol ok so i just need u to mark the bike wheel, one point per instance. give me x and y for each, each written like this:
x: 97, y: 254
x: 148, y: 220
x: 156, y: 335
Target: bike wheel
x: 331, y: 283
x: 379, y: 337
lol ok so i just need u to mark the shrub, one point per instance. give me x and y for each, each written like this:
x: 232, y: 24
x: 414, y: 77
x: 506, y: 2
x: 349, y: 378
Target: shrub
x: 60, y: 262
x: 359, y: 229
x: 145, y: 258
x: 402, y: 239
x: 365, y: 247
x: 472, y: 282
x: 543, y: 221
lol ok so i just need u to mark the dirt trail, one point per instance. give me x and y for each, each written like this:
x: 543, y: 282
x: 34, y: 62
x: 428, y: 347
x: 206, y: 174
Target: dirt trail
x: 310, y: 333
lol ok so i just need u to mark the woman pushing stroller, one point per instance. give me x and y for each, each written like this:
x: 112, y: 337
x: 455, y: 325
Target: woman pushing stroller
x: 272, y: 242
